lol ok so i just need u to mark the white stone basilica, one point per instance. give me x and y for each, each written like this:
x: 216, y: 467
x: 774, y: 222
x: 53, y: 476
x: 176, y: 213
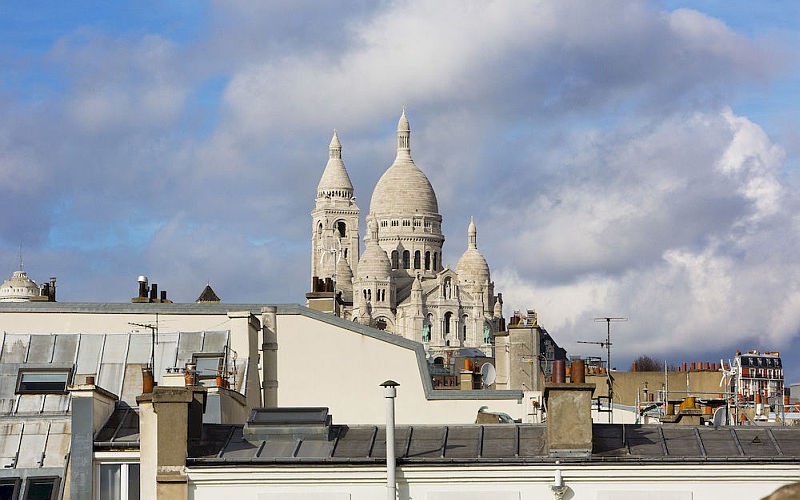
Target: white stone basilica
x: 399, y: 283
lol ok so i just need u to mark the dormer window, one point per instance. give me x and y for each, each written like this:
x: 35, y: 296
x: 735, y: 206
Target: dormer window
x: 44, y: 381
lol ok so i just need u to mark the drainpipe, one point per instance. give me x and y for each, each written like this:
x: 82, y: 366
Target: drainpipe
x: 389, y: 392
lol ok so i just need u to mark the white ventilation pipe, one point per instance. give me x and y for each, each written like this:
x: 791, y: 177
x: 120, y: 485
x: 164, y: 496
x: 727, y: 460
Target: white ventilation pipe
x: 389, y: 393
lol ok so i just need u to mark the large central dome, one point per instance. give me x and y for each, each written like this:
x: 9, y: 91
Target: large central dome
x: 403, y: 189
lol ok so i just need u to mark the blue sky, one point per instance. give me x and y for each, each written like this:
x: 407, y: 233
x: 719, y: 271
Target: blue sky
x: 620, y: 158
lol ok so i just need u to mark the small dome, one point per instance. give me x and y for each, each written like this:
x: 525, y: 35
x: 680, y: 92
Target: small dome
x: 472, y: 265
x: 335, y: 179
x: 374, y: 262
x: 18, y: 288
x: 344, y: 275
x: 402, y: 123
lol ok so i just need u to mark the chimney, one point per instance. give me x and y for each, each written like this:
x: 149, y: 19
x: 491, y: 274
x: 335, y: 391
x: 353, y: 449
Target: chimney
x: 91, y: 408
x: 153, y: 292
x: 569, y: 419
x: 173, y: 418
x: 52, y: 290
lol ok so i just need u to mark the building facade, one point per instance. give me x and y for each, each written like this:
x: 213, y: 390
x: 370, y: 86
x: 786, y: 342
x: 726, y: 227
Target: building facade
x: 399, y: 284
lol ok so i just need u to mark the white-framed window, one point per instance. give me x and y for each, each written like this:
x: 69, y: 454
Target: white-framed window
x: 116, y: 481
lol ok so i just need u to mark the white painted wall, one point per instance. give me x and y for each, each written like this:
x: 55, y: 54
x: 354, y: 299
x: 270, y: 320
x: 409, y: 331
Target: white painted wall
x: 514, y: 481
x: 320, y: 364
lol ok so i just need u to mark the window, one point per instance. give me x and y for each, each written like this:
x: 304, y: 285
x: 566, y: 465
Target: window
x: 118, y: 482
x: 395, y: 223
x: 41, y: 488
x: 208, y: 365
x: 44, y: 381
x: 406, y: 223
x: 416, y: 260
x: 342, y: 228
x: 434, y: 261
x: 464, y: 328
x: 384, y: 223
x: 395, y: 259
x: 417, y: 223
x: 406, y: 259
x: 9, y: 488
x: 448, y: 318
x: 427, y: 261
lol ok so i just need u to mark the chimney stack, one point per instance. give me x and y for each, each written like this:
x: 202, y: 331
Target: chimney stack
x: 569, y: 419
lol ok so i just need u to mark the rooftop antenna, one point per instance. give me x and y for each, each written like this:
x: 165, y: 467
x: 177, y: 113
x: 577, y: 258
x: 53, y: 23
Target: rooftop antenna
x: 21, y: 263
x: 154, y: 340
x: 607, y: 345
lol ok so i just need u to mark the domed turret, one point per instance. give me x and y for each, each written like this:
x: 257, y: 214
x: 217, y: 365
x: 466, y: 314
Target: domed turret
x: 344, y: 275
x: 374, y: 262
x: 335, y: 181
x: 472, y: 266
x: 18, y: 288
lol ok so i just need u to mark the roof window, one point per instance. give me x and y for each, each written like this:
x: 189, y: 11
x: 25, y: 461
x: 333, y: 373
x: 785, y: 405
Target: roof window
x: 42, y: 381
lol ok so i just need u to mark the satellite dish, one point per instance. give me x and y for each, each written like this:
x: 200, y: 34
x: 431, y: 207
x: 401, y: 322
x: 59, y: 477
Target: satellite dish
x: 488, y: 374
x: 719, y: 417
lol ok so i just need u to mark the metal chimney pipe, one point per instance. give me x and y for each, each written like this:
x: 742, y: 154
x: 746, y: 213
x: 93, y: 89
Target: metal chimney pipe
x: 389, y: 392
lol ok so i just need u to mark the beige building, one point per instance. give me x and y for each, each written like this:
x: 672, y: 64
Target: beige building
x: 399, y: 284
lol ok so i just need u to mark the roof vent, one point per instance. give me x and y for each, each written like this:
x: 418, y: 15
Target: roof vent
x: 312, y: 423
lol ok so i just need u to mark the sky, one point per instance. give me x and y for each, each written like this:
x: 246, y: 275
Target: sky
x: 638, y: 159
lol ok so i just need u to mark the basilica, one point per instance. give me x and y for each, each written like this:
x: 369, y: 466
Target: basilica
x: 399, y: 283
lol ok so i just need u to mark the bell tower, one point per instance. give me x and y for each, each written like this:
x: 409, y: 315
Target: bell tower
x: 334, y: 227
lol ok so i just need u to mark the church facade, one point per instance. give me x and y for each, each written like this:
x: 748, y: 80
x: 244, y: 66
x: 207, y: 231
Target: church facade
x: 399, y: 284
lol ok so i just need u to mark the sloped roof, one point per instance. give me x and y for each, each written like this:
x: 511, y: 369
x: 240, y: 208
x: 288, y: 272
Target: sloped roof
x: 513, y: 443
x: 208, y: 295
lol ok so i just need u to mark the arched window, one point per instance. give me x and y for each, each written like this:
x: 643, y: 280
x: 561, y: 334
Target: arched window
x: 319, y: 231
x: 448, y: 318
x: 435, y: 267
x: 345, y: 253
x: 416, y: 260
x: 394, y: 259
x: 427, y: 261
x: 464, y: 328
x: 406, y: 259
x: 342, y: 228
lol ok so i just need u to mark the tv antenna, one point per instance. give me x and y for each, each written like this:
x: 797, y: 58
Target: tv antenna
x: 607, y: 344
x: 154, y: 341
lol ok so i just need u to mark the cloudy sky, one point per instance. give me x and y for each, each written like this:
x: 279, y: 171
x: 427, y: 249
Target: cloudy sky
x: 623, y: 158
